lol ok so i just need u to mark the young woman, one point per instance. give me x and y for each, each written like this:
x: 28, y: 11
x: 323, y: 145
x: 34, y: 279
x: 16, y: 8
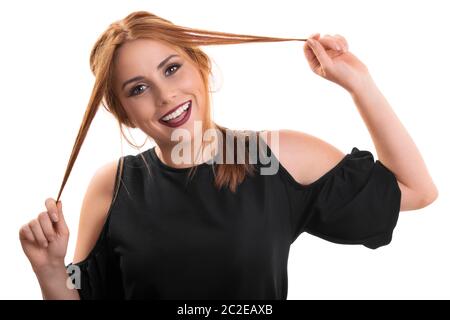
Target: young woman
x: 159, y: 225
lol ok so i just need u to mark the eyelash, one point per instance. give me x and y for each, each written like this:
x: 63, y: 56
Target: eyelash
x: 132, y: 91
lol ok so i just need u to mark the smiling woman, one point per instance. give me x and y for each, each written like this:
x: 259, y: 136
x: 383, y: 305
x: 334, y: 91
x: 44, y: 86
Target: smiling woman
x: 144, y: 41
x: 151, y: 74
x: 170, y: 92
x: 149, y: 229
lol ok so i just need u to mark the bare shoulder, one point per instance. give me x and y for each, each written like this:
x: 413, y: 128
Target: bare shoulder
x: 94, y: 209
x: 304, y: 156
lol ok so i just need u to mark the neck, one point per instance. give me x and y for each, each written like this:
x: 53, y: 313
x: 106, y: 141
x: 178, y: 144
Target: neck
x: 188, y: 154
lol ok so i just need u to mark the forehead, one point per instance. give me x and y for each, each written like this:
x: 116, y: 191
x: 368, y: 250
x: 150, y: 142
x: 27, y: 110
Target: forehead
x: 141, y: 54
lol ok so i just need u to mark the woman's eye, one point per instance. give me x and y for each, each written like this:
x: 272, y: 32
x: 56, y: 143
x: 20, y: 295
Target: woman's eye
x: 136, y: 92
x: 173, y: 65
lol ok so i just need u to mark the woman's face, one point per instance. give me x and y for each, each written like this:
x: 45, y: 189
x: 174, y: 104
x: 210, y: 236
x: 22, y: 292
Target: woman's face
x: 149, y: 86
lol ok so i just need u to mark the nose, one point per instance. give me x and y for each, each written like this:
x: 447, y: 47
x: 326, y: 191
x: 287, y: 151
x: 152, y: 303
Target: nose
x: 166, y: 96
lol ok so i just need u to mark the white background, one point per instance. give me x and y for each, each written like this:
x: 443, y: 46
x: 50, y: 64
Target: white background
x: 46, y: 83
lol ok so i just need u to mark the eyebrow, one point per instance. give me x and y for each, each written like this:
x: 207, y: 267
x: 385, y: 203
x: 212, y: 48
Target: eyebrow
x: 160, y: 65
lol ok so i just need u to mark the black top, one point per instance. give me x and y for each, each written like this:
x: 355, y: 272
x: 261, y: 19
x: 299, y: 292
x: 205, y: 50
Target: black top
x: 165, y: 238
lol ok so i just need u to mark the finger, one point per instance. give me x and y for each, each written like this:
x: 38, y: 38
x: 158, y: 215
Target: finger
x: 47, y: 227
x: 25, y: 233
x: 309, y: 53
x: 35, y: 227
x: 330, y: 42
x: 342, y: 44
x: 61, y: 226
x: 320, y: 53
x: 343, y: 40
x: 50, y: 203
x: 315, y: 35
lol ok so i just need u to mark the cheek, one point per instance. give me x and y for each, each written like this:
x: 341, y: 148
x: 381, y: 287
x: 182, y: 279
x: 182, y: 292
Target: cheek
x: 139, y: 112
x: 191, y: 80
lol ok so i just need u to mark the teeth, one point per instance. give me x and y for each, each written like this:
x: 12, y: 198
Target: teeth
x: 177, y: 112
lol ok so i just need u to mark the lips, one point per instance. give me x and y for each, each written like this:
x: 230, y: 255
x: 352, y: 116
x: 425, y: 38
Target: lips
x: 173, y: 109
x: 179, y: 121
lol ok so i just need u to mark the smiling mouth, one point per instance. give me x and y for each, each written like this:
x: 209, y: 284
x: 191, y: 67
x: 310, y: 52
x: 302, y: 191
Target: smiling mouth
x: 178, y: 117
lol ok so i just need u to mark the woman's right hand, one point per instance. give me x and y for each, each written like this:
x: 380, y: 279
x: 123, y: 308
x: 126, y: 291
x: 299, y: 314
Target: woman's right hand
x: 44, y: 239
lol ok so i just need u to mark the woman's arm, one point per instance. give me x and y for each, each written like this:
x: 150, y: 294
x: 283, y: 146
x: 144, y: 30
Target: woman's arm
x: 44, y: 241
x: 330, y: 58
x: 54, y: 284
x: 395, y: 148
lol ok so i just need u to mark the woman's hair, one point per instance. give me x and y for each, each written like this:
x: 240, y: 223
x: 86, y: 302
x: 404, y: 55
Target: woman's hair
x: 140, y: 25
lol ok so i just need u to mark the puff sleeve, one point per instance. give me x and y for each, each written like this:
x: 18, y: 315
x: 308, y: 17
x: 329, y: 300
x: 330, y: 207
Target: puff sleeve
x: 356, y: 202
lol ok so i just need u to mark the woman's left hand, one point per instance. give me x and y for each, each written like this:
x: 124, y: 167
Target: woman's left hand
x: 329, y: 58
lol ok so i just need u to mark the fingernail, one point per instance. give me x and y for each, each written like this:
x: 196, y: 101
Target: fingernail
x: 55, y: 217
x: 338, y: 47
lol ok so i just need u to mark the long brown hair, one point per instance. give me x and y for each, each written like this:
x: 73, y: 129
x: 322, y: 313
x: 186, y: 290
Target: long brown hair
x: 142, y: 24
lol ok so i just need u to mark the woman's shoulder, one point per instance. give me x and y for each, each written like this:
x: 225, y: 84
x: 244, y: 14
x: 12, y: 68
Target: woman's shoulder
x: 95, y: 208
x: 305, y: 157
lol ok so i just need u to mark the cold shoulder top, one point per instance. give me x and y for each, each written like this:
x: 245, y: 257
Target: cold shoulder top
x: 168, y: 237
